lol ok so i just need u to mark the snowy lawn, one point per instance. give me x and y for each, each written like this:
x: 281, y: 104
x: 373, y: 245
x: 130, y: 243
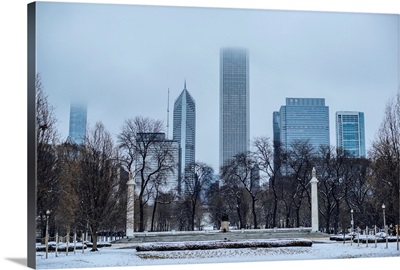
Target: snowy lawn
x: 125, y: 255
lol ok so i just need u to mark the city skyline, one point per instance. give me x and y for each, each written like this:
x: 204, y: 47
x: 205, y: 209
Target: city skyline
x: 125, y: 67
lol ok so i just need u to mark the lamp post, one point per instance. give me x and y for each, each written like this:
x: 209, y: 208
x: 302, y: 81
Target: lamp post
x: 384, y: 219
x: 352, y: 226
x: 384, y: 224
x: 46, y: 239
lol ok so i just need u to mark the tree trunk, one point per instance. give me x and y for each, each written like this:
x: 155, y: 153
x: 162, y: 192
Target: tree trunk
x: 141, y: 214
x: 94, y: 241
x: 328, y: 218
x: 240, y: 218
x: 193, y: 215
x: 275, y: 211
x: 254, y: 213
x: 154, y: 213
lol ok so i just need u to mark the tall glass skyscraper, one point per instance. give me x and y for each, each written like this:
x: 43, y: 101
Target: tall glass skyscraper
x: 184, y: 131
x: 77, y: 123
x: 234, y: 103
x: 302, y: 119
x: 350, y: 133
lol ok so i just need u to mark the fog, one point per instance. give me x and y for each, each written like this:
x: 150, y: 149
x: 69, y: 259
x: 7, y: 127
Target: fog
x: 122, y: 59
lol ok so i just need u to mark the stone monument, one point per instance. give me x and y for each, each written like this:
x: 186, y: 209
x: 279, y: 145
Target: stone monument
x: 130, y: 221
x: 314, y: 202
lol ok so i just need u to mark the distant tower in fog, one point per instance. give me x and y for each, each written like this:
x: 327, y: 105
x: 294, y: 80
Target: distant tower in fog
x: 234, y: 103
x: 77, y: 123
x: 184, y: 132
x: 350, y: 134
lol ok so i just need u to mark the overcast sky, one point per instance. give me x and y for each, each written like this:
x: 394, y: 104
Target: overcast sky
x: 124, y: 58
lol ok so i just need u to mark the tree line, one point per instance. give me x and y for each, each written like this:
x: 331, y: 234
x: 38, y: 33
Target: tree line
x: 85, y: 186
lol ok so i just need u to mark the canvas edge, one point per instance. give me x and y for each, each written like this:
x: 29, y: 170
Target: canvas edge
x: 31, y: 136
x: 31, y: 112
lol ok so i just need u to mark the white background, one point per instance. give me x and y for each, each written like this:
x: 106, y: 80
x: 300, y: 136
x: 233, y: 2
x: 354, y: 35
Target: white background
x: 13, y: 163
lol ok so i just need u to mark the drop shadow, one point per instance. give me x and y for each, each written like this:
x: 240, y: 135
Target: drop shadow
x: 20, y: 261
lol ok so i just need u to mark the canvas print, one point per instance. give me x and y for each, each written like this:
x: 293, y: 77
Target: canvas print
x: 169, y: 135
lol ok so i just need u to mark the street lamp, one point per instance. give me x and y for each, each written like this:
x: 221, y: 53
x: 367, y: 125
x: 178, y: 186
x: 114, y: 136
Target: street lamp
x: 384, y: 219
x: 352, y: 226
x: 384, y: 224
x: 47, y: 233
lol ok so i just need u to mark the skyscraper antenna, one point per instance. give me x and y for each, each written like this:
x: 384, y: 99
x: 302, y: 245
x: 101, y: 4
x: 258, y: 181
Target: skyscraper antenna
x: 168, y: 116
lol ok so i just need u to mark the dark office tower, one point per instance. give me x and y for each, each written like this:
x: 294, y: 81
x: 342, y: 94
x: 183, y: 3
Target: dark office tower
x: 350, y: 134
x: 276, y: 142
x: 234, y: 103
x: 184, y: 132
x: 276, y: 128
x: 77, y: 123
x: 304, y: 119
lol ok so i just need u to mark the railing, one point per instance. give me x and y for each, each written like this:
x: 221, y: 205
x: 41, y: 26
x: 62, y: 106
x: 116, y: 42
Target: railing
x: 69, y: 243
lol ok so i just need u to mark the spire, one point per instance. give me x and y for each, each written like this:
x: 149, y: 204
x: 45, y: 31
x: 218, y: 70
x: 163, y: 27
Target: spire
x: 168, y: 116
x: 184, y: 87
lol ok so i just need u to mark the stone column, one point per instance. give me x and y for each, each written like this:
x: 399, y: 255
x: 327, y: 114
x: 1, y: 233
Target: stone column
x: 130, y: 221
x: 314, y: 202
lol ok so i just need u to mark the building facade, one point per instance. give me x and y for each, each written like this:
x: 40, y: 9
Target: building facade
x: 77, y: 123
x: 302, y: 119
x: 158, y: 159
x: 234, y: 103
x: 350, y: 133
x: 184, y: 132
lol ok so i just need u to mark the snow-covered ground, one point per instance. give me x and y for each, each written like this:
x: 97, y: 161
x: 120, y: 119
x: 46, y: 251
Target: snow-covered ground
x: 119, y: 255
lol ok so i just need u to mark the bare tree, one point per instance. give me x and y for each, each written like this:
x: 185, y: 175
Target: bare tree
x: 268, y: 158
x: 215, y: 203
x: 148, y: 155
x: 68, y: 214
x: 197, y: 177
x: 47, y: 187
x: 240, y: 172
x: 300, y: 158
x: 235, y: 204
x: 385, y: 156
x: 98, y: 181
x: 162, y: 214
x: 333, y: 167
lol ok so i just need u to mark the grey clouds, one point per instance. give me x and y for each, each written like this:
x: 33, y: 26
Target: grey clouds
x: 123, y: 59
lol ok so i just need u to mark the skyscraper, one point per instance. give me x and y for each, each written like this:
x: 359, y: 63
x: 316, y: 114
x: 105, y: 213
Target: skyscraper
x: 350, y: 134
x: 234, y: 103
x: 302, y: 119
x: 276, y: 127
x: 184, y: 131
x: 276, y: 142
x: 77, y: 123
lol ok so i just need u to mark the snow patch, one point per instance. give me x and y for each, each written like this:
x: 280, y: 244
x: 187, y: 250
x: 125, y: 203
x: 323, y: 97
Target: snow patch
x: 201, y: 245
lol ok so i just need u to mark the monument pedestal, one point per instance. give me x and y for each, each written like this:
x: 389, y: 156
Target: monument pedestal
x: 225, y: 226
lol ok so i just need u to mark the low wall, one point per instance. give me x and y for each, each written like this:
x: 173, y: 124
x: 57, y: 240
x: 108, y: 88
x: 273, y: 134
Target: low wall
x: 172, y: 236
